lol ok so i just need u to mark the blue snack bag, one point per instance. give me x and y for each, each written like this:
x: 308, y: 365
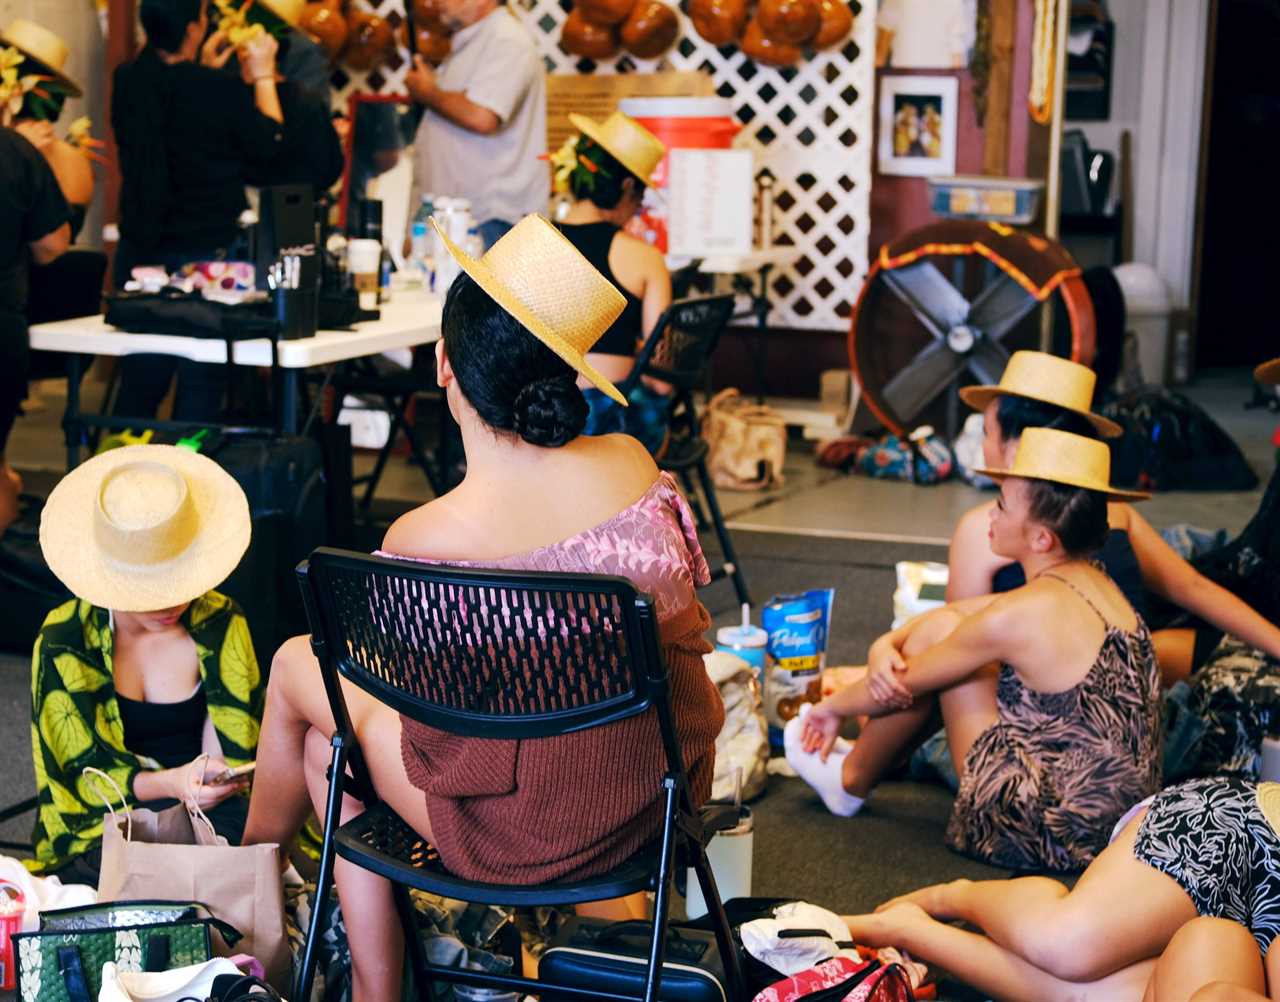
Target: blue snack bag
x: 796, y: 654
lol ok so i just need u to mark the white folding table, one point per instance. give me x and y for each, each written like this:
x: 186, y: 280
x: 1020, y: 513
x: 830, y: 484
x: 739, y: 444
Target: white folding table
x: 408, y: 320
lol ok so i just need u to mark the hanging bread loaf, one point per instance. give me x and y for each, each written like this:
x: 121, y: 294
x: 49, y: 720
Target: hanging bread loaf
x: 431, y: 45
x: 605, y: 13
x: 720, y: 22
x: 369, y: 41
x: 324, y: 22
x: 789, y: 22
x: 758, y: 46
x: 650, y: 29
x: 582, y: 38
x: 836, y: 23
x: 427, y: 14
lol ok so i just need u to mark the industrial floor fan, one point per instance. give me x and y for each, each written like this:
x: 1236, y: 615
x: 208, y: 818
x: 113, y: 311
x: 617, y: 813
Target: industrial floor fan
x: 946, y: 304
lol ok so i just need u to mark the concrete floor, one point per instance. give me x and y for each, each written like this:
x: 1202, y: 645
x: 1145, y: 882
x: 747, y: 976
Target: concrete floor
x: 815, y: 501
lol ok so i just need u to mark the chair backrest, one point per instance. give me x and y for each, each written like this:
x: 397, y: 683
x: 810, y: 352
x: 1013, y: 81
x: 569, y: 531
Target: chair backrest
x: 488, y: 653
x: 682, y: 342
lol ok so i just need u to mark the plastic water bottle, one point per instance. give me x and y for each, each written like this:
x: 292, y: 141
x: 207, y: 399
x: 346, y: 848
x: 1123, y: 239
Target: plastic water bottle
x: 420, y: 250
x: 746, y: 641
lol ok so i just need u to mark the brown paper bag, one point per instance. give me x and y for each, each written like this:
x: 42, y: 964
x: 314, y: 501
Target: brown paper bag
x: 176, y: 855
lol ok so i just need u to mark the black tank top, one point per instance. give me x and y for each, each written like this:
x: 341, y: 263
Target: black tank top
x: 170, y: 733
x: 593, y: 241
x: 1117, y: 559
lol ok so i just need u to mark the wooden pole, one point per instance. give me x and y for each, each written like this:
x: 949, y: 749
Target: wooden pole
x: 121, y: 47
x: 1053, y: 183
x: 995, y: 150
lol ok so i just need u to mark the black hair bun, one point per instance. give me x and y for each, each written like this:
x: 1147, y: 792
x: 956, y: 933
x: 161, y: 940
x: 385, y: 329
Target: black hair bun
x: 549, y: 412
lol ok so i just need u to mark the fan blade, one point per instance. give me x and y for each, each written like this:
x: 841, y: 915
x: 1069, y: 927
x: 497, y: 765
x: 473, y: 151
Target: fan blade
x: 987, y: 361
x: 936, y: 302
x: 927, y: 375
x: 1000, y: 306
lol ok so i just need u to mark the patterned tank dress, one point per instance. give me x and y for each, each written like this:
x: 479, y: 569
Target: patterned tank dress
x: 1045, y: 784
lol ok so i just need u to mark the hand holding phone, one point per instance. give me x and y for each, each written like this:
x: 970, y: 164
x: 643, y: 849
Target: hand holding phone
x: 228, y: 775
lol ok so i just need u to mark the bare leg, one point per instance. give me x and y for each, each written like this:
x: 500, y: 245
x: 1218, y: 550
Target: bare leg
x: 1121, y: 911
x: 993, y: 970
x: 1204, y: 951
x: 972, y: 703
x: 293, y: 754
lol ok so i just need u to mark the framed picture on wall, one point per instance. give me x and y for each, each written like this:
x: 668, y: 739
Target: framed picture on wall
x: 918, y: 125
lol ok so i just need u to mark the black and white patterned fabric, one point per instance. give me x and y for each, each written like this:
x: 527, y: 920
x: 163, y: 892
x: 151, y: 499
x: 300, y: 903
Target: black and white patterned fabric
x: 1211, y: 837
x: 1237, y: 696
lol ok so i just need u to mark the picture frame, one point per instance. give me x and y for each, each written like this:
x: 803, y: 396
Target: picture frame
x: 917, y: 127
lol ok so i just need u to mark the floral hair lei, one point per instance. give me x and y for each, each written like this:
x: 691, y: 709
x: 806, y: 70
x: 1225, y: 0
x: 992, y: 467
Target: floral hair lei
x: 580, y: 159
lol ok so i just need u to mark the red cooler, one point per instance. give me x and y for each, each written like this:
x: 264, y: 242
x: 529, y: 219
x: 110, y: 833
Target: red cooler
x: 685, y: 123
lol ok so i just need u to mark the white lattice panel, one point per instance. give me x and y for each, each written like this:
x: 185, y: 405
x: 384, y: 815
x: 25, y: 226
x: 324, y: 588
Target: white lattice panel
x: 810, y: 125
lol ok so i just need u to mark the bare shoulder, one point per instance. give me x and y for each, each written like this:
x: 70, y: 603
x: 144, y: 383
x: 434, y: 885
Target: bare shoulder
x: 1121, y: 515
x: 430, y: 531
x: 639, y: 252
x: 622, y: 460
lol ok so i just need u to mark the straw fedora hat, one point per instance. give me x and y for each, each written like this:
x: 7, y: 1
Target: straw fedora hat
x: 43, y: 46
x: 144, y: 527
x: 1036, y: 375
x: 541, y: 279
x: 1268, y: 372
x: 1063, y: 458
x: 631, y: 144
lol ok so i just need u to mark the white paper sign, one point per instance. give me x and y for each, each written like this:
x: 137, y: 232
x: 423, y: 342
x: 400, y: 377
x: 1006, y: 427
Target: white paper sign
x: 710, y: 197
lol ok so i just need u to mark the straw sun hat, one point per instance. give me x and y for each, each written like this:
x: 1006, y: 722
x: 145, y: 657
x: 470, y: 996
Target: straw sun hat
x: 1268, y: 372
x: 537, y: 276
x: 44, y: 47
x: 630, y: 143
x: 1036, y: 375
x: 1063, y: 458
x: 145, y: 527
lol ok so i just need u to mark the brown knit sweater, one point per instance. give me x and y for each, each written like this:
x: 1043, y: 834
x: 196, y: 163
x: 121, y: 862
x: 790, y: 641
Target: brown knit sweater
x: 531, y: 811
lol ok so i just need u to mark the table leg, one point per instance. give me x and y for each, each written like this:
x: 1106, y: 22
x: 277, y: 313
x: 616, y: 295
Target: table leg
x: 289, y: 401
x: 72, y: 428
x: 760, y: 303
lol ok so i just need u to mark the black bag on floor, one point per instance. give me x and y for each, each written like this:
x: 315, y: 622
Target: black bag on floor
x: 614, y: 956
x: 1170, y: 443
x: 28, y: 589
x: 283, y: 478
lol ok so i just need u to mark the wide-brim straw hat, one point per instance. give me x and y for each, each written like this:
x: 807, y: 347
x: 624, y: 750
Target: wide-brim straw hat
x: 630, y: 143
x: 535, y: 274
x: 144, y: 528
x: 1268, y: 796
x: 1268, y: 372
x: 1036, y: 375
x: 1063, y: 458
x: 43, y: 47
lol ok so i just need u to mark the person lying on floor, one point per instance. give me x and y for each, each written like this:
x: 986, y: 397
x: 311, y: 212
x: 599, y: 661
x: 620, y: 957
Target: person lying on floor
x: 538, y: 495
x: 1040, y: 390
x: 1056, y: 751
x: 1193, y: 878
x: 147, y: 674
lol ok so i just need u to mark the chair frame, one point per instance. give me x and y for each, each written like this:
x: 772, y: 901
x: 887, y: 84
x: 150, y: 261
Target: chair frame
x: 682, y: 829
x: 682, y: 403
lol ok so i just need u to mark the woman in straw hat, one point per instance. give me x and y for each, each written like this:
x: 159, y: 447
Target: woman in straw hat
x: 538, y: 495
x: 1039, y: 390
x: 147, y: 670
x: 1073, y: 738
x: 1191, y: 876
x: 607, y: 168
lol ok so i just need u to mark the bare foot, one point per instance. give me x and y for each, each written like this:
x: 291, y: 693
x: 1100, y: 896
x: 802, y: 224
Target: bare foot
x: 937, y: 900
x: 888, y: 926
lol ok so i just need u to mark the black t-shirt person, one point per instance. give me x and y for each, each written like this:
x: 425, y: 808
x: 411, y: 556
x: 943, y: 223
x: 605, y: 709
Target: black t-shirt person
x: 31, y: 208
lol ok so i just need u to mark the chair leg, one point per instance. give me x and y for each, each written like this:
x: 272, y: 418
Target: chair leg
x: 691, y: 494
x: 416, y: 952
x: 731, y: 566
x: 420, y: 457
x: 736, y: 986
x: 662, y: 899
x: 324, y: 880
x: 384, y: 454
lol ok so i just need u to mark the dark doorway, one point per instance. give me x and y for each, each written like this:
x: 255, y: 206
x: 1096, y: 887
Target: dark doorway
x: 1240, y: 254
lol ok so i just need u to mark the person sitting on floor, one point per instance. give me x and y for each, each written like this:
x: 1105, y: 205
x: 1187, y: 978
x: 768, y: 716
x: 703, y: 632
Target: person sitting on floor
x: 1071, y: 736
x: 147, y: 674
x: 538, y: 495
x: 612, y: 164
x: 1040, y: 390
x: 1192, y: 877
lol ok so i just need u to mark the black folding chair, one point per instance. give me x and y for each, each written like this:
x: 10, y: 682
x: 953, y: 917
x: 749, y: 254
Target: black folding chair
x: 678, y: 351
x: 15, y: 811
x: 499, y: 655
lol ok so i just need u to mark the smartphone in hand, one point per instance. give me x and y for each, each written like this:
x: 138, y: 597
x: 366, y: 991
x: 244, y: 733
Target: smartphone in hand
x: 227, y: 775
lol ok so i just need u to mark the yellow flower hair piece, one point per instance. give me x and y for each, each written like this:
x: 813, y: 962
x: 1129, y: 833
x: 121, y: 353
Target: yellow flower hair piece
x: 14, y: 88
x: 564, y: 160
x: 234, y: 21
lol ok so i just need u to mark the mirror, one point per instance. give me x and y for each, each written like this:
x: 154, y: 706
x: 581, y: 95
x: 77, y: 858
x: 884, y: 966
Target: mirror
x: 379, y: 160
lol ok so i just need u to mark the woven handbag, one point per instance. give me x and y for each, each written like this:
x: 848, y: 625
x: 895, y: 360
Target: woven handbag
x: 62, y: 962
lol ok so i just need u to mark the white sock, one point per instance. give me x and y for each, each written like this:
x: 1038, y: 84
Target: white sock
x: 825, y: 777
